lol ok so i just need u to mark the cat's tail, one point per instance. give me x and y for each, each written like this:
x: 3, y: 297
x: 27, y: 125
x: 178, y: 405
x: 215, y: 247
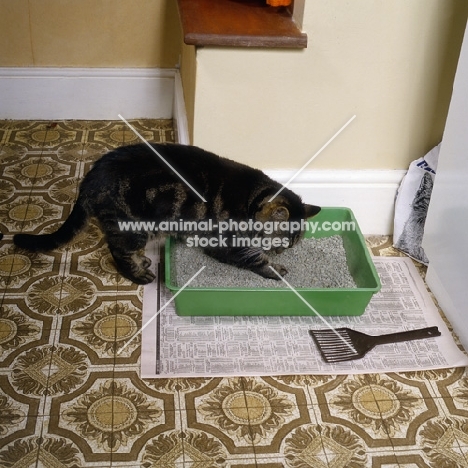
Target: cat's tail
x: 45, y: 242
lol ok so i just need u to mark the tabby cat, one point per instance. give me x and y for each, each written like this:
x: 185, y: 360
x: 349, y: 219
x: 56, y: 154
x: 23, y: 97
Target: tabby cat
x: 134, y: 183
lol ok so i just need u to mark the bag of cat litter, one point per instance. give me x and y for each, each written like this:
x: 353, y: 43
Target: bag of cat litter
x: 411, y: 205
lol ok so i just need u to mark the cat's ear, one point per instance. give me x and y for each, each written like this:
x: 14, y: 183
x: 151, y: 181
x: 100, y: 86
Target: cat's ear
x: 280, y: 213
x: 311, y: 210
x: 273, y: 211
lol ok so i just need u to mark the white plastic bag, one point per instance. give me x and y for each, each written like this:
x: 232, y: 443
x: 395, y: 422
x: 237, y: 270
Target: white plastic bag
x: 411, y: 205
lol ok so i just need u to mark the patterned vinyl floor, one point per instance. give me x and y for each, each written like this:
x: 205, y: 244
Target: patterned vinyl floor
x: 67, y: 399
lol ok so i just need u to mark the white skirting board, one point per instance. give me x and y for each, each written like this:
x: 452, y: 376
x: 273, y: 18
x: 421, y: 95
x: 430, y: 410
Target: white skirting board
x: 86, y: 93
x: 179, y: 112
x: 370, y: 194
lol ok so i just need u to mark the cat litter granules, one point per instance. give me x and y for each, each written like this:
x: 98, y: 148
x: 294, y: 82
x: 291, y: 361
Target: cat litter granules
x: 312, y: 263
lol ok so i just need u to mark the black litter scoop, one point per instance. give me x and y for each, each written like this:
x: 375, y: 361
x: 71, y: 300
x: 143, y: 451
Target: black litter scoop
x: 344, y: 344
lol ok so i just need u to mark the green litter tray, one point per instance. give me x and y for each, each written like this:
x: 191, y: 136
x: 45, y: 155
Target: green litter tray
x: 217, y: 301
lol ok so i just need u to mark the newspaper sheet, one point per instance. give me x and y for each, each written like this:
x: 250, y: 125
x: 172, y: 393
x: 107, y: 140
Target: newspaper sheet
x: 174, y: 346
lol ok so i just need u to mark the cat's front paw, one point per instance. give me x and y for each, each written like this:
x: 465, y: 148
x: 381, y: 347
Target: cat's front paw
x: 145, y: 262
x: 144, y: 276
x: 272, y: 270
x: 137, y: 270
x: 282, y: 270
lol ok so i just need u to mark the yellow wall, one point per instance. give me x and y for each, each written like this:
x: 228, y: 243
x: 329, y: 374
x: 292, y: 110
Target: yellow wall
x: 389, y: 62
x: 89, y: 33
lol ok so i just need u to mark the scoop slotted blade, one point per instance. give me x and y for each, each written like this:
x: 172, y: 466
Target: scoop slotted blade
x: 345, y: 344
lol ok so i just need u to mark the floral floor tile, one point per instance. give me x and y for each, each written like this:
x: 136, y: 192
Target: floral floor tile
x: 70, y: 390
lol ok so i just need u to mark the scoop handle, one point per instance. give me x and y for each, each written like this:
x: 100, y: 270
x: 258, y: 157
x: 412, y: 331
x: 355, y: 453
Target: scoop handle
x: 418, y: 334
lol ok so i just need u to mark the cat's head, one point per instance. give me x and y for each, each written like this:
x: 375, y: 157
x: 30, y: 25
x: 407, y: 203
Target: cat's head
x: 281, y: 213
